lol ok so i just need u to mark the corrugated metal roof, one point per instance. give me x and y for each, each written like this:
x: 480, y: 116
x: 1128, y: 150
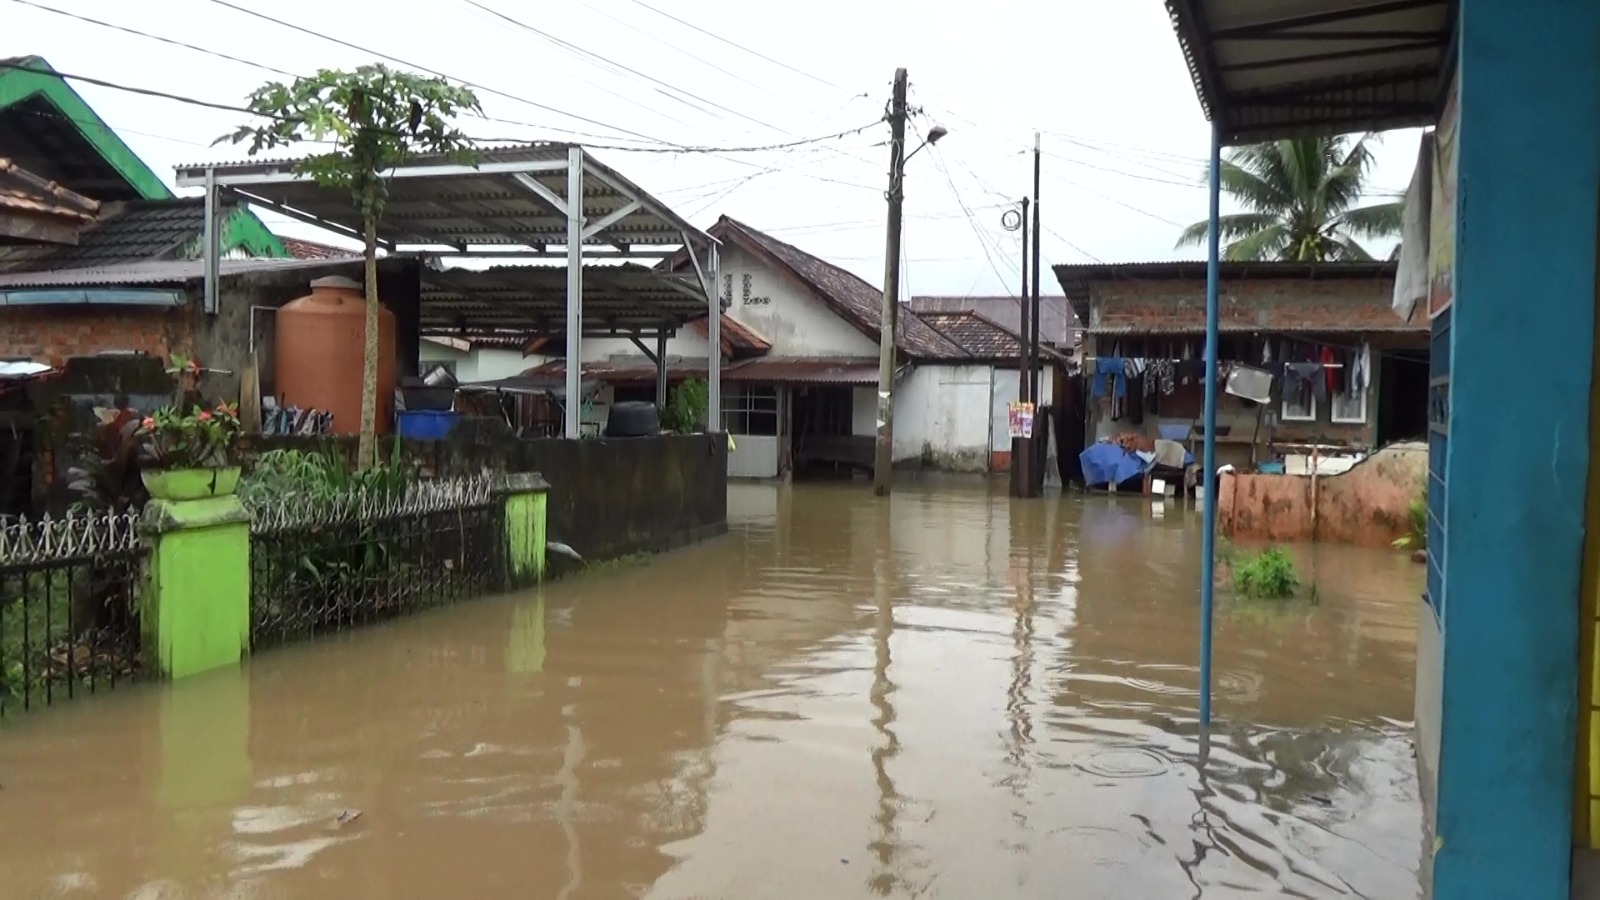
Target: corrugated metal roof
x: 162, y: 272
x: 533, y: 299
x: 489, y: 205
x: 1266, y: 69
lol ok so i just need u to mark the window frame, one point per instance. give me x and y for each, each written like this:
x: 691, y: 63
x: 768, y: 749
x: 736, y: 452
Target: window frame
x: 1285, y: 416
x: 744, y: 401
x: 1333, y: 409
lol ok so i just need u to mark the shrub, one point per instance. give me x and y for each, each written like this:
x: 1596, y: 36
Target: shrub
x: 1269, y: 576
x: 686, y: 407
x: 1417, y: 537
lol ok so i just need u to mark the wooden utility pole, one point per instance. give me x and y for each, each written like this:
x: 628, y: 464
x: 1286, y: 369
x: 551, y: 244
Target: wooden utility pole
x: 883, y: 457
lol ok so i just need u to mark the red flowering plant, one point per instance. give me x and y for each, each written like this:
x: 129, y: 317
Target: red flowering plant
x: 199, y: 439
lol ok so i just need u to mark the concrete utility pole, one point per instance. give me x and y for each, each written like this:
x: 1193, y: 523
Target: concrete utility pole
x: 1035, y: 472
x: 883, y: 458
x: 1020, y: 459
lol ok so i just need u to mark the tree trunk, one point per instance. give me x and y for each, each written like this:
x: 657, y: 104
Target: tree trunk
x: 367, y: 449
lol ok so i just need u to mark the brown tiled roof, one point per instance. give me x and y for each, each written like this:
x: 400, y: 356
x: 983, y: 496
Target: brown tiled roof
x: 794, y: 370
x: 300, y: 248
x: 854, y: 300
x: 22, y: 190
x: 738, y: 339
x: 624, y: 371
x: 1057, y: 323
x: 981, y: 338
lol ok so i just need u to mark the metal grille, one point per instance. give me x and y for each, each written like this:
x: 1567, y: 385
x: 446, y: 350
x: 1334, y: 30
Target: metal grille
x: 69, y: 618
x: 327, y: 563
x: 1438, y: 450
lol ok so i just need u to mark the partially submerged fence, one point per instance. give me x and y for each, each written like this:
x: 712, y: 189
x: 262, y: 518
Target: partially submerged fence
x: 89, y: 601
x: 328, y: 562
x: 69, y: 615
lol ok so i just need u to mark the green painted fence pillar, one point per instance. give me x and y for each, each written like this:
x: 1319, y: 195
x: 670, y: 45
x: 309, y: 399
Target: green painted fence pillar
x: 195, y: 611
x: 525, y: 496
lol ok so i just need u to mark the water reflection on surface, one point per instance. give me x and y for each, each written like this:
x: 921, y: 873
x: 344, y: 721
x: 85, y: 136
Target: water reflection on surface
x: 951, y: 697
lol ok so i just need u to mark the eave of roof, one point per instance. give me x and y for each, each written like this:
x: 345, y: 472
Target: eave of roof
x: 1266, y: 69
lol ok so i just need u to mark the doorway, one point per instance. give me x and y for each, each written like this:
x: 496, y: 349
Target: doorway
x: 1403, y: 398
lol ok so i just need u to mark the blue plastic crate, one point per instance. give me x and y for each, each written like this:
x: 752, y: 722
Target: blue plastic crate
x: 426, y: 424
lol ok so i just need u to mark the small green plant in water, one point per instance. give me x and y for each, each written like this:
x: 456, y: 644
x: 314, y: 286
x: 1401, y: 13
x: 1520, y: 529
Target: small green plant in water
x: 1417, y: 537
x: 1269, y: 576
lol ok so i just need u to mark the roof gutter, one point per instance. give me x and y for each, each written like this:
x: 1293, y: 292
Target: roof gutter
x: 154, y: 297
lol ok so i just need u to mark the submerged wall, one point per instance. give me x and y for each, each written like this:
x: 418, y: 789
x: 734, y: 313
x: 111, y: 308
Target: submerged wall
x: 608, y: 498
x: 1368, y: 505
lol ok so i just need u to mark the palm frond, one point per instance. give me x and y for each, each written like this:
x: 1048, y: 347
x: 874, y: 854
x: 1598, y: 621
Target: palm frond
x: 1380, y: 220
x: 1231, y: 227
x: 1263, y: 244
x: 1253, y: 190
x: 1343, y: 248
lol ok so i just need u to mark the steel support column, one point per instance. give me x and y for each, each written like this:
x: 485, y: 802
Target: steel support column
x: 572, y: 427
x: 1208, y: 535
x: 712, y: 278
x: 661, y: 371
x: 212, y: 252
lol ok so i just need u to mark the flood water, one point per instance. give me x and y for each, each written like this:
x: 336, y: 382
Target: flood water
x: 947, y: 697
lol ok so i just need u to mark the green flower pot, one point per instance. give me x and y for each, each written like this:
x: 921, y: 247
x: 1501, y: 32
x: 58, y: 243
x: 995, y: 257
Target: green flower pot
x: 190, y: 484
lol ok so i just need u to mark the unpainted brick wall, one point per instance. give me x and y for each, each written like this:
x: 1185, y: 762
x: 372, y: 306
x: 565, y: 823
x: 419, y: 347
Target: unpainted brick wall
x: 1331, y: 304
x: 53, y: 334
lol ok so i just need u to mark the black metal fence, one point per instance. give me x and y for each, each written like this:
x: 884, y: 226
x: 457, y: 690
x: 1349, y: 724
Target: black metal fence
x: 69, y: 617
x: 325, y: 563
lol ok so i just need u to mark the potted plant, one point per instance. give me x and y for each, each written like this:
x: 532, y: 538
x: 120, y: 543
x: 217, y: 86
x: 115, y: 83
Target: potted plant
x: 189, y: 456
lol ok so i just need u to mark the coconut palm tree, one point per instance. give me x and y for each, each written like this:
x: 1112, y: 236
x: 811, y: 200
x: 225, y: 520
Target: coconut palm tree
x: 1299, y: 196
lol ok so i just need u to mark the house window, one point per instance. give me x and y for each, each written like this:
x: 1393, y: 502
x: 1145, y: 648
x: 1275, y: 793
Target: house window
x: 1349, y: 406
x: 750, y: 410
x: 1299, y: 402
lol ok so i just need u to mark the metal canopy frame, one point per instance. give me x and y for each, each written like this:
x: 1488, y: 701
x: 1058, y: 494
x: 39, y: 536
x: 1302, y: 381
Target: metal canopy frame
x: 513, y: 202
x: 1268, y: 70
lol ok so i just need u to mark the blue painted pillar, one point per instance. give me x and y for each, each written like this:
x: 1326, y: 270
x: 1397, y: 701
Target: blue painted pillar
x: 1527, y: 197
x: 1208, y: 458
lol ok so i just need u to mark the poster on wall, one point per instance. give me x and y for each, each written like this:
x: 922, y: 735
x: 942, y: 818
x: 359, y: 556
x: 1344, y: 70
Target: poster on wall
x: 1442, y: 227
x: 1019, y: 419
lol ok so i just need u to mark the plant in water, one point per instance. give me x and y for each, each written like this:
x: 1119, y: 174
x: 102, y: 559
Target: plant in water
x: 686, y: 408
x: 198, y: 439
x: 1416, y: 538
x: 1268, y: 576
x: 376, y: 118
x: 107, y: 476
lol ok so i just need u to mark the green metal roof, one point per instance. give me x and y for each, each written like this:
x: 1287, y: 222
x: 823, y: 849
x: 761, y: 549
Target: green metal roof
x: 48, y: 128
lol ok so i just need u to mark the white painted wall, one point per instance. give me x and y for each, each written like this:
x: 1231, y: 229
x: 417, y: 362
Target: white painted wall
x: 864, y: 412
x: 784, y: 312
x: 477, y: 365
x: 1007, y: 387
x: 753, y: 456
x: 943, y: 411
x: 1429, y: 707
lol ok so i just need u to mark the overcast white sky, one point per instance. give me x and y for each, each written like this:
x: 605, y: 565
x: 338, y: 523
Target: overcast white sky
x: 1105, y: 82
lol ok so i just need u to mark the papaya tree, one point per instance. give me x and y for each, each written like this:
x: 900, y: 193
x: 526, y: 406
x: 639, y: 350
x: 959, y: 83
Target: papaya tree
x: 374, y: 118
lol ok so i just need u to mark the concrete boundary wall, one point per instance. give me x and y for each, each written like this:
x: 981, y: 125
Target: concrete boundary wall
x: 1368, y: 505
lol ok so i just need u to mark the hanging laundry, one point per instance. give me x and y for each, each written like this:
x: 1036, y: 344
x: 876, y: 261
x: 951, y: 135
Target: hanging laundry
x: 1361, y: 374
x: 1330, y: 376
x: 1110, y: 371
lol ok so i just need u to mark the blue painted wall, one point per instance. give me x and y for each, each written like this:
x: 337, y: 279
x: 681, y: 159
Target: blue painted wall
x: 1517, y: 459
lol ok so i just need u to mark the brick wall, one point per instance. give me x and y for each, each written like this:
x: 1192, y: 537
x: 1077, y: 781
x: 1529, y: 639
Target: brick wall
x: 1329, y: 304
x: 52, y: 334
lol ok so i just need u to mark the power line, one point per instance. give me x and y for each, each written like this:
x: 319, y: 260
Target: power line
x: 154, y: 37
x: 670, y: 45
x: 398, y: 61
x: 977, y: 232
x: 574, y: 48
x: 738, y: 46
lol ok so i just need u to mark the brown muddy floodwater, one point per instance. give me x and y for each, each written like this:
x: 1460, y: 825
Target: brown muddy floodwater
x: 960, y: 698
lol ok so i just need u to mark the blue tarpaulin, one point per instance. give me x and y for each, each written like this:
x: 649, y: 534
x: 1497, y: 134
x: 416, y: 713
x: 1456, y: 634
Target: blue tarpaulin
x: 1108, y: 463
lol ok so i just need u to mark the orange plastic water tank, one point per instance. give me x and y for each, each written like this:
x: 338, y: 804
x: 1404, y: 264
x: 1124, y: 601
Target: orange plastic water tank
x: 319, y: 344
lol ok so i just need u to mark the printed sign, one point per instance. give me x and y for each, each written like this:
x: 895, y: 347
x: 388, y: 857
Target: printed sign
x: 1019, y: 419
